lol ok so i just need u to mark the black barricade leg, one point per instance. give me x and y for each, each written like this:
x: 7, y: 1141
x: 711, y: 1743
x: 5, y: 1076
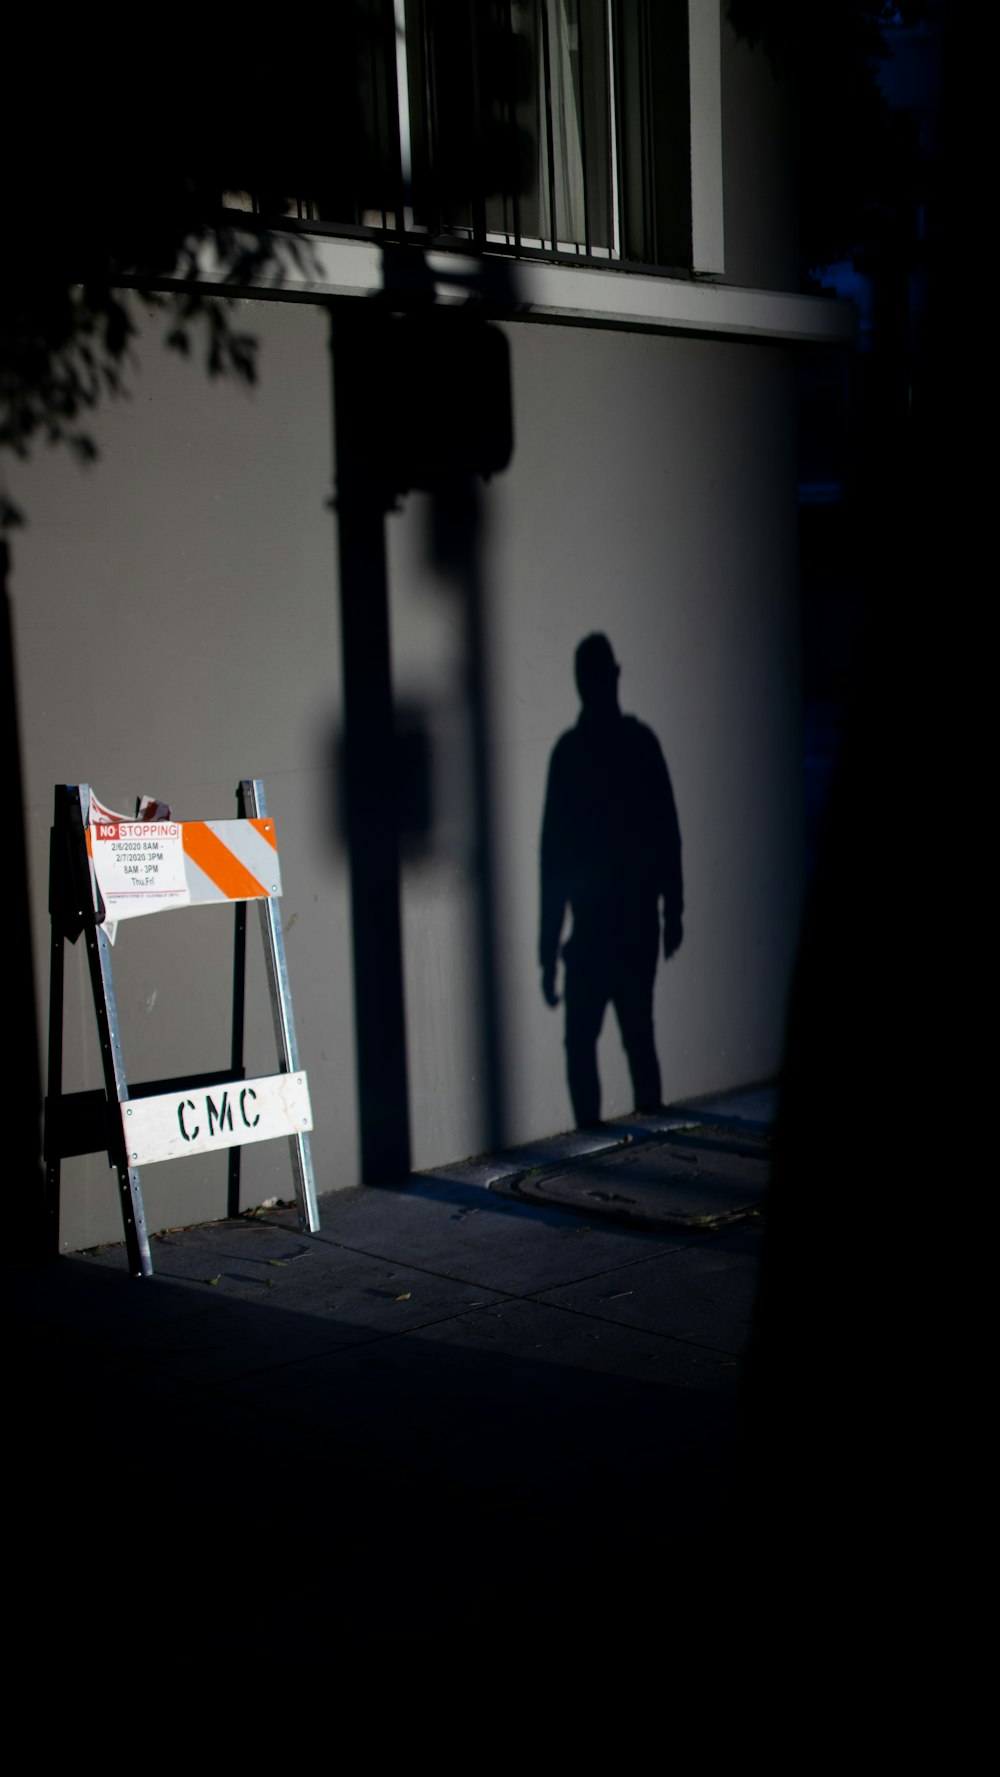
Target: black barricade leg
x: 109, y: 1036
x: 239, y: 1020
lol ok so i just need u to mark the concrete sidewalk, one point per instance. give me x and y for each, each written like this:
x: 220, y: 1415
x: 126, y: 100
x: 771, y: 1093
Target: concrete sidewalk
x: 469, y: 1397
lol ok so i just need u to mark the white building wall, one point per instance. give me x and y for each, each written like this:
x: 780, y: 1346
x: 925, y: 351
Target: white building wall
x: 651, y: 496
x: 177, y: 627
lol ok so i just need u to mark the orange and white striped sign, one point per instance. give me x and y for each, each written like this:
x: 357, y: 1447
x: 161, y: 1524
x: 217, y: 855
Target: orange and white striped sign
x: 230, y: 860
x: 149, y: 866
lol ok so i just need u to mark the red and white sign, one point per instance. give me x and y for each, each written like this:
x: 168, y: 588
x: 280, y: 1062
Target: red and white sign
x: 139, y: 865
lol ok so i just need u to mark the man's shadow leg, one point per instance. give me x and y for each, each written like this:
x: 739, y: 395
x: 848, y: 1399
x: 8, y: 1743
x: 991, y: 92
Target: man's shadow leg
x: 634, y: 1008
x: 586, y: 999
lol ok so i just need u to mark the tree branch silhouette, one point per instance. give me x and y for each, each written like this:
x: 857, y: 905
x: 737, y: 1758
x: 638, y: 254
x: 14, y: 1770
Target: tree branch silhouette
x: 117, y: 154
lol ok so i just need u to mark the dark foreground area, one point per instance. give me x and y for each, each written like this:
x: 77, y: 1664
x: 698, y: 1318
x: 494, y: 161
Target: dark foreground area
x: 454, y: 1425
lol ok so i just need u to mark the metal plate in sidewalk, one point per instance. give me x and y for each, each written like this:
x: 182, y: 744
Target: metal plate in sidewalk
x: 694, y: 1179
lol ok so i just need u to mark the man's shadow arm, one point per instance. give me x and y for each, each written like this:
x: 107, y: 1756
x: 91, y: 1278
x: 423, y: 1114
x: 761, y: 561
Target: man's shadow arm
x: 554, y: 880
x: 670, y: 879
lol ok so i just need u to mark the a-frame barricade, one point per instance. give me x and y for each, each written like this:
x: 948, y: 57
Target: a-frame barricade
x: 137, y: 1124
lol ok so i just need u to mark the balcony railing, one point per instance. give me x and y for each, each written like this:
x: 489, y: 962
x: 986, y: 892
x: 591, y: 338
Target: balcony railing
x: 545, y: 128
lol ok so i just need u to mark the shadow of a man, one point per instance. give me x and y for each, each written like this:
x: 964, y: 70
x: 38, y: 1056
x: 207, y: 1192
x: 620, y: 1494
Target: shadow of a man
x: 611, y: 851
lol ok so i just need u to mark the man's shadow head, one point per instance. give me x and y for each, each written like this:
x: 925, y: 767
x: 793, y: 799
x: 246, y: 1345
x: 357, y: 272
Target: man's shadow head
x: 597, y: 673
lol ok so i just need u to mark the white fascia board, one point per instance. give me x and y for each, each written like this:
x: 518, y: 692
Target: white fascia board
x: 630, y: 301
x: 581, y: 296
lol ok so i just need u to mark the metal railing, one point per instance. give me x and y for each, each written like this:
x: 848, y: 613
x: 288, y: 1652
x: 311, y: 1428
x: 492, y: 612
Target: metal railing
x: 533, y: 128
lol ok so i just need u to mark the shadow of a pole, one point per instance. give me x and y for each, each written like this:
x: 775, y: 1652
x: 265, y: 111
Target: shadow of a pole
x: 363, y: 499
x: 457, y: 538
x: 397, y: 360
x: 24, y: 1087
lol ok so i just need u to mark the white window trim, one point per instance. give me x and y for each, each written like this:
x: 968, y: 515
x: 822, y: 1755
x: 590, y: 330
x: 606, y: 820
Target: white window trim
x: 708, y: 246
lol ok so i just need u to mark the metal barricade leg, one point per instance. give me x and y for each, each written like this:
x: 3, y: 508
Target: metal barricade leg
x: 284, y: 1024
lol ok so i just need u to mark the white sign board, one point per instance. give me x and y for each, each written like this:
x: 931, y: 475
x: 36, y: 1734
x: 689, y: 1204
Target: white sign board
x: 138, y: 864
x: 228, y: 1115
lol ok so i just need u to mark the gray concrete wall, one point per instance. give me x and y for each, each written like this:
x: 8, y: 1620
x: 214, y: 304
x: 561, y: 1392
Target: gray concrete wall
x: 176, y: 612
x: 651, y: 496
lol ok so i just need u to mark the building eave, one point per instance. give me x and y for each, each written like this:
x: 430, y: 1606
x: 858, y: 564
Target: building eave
x: 530, y: 290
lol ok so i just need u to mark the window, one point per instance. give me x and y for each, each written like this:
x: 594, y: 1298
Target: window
x: 512, y: 122
x: 538, y: 127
